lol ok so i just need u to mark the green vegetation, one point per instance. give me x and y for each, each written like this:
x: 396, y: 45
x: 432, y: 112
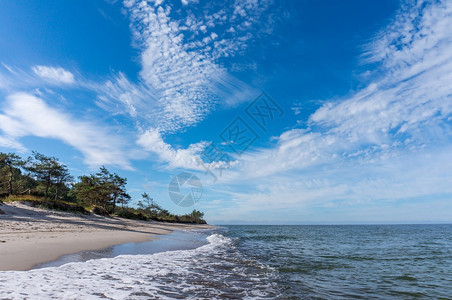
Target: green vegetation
x: 148, y: 210
x: 102, y: 189
x: 44, y: 181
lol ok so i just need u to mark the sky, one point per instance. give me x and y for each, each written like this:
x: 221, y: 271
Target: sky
x: 286, y: 112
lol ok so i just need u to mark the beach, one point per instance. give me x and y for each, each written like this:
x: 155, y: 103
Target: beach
x: 253, y: 262
x: 31, y: 236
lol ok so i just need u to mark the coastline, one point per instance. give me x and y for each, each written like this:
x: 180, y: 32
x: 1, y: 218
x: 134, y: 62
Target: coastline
x: 30, y: 236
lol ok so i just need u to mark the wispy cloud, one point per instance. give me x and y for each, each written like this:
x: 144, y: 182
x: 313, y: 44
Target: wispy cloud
x: 181, y: 78
x: 55, y: 75
x: 180, y: 82
x: 179, y: 59
x: 11, y: 143
x: 186, y: 2
x: 13, y: 78
x: 407, y: 107
x: 413, y: 96
x: 378, y: 143
x: 347, y: 190
x: 180, y: 52
x: 188, y: 158
x: 120, y: 96
x: 27, y: 115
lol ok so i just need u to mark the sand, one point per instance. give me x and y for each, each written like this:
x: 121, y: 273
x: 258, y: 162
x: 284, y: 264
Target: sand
x: 30, y: 236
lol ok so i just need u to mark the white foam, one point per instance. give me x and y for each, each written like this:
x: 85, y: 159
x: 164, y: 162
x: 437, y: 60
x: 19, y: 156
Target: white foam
x: 210, y: 271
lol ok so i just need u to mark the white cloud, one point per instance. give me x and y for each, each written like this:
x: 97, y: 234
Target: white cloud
x: 415, y: 91
x: 10, y: 143
x: 12, y: 78
x: 180, y: 78
x: 340, y: 188
x: 188, y: 158
x: 179, y: 84
x: 119, y: 95
x: 408, y: 107
x: 27, y: 115
x: 54, y: 75
x: 297, y: 108
x: 186, y: 2
x: 388, y: 141
x: 179, y: 60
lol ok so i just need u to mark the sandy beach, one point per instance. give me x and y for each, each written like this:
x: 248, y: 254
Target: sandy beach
x: 30, y: 236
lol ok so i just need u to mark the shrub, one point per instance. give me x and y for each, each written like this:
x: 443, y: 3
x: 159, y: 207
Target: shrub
x: 62, y: 206
x: 131, y: 215
x: 98, y: 210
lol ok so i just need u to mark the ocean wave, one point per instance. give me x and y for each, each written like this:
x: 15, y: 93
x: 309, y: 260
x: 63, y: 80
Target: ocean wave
x: 215, y: 270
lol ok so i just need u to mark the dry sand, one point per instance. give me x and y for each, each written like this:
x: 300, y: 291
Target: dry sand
x: 30, y: 236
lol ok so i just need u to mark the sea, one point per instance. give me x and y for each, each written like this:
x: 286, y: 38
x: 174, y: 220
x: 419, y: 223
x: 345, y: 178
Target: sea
x: 254, y: 262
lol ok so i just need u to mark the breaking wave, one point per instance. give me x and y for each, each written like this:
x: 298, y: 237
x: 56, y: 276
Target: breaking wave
x: 215, y: 270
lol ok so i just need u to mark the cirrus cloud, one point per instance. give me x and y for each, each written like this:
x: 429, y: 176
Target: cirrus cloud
x: 54, y: 75
x: 27, y: 115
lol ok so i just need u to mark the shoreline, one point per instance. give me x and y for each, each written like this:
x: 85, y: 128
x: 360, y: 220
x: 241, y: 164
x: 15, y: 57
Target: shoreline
x: 31, y: 236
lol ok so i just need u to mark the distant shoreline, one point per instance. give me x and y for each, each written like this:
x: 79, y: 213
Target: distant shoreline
x: 30, y: 236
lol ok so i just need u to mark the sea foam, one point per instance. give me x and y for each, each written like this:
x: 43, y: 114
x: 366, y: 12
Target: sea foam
x: 215, y: 270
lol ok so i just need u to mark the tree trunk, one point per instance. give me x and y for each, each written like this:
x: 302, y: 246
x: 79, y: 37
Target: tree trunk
x: 56, y: 193
x: 114, y: 205
x: 47, y: 190
x: 47, y: 186
x: 10, y: 181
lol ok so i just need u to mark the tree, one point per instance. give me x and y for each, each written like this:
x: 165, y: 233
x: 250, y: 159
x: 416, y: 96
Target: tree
x: 148, y: 205
x: 62, y: 178
x: 103, y: 188
x: 113, y: 188
x: 118, y: 190
x: 86, y: 190
x: 49, y: 171
x: 197, y: 215
x: 11, y: 162
x: 146, y: 198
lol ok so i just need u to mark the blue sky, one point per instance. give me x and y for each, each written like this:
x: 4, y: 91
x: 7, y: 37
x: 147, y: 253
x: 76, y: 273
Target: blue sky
x: 354, y: 125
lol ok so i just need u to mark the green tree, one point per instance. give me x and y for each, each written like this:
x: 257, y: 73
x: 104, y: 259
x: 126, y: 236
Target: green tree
x: 62, y: 178
x: 196, y: 215
x: 147, y: 199
x: 10, y: 163
x: 148, y: 205
x: 118, y: 191
x: 113, y: 189
x: 48, y: 171
x: 103, y: 188
x: 86, y: 191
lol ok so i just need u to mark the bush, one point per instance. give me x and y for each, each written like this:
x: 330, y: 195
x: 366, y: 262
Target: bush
x: 126, y: 214
x: 62, y: 206
x: 98, y: 210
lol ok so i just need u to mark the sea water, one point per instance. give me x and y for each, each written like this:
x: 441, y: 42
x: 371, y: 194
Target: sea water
x: 256, y: 262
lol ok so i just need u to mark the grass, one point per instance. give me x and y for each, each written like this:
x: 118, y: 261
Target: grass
x: 41, y: 202
x: 28, y: 198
